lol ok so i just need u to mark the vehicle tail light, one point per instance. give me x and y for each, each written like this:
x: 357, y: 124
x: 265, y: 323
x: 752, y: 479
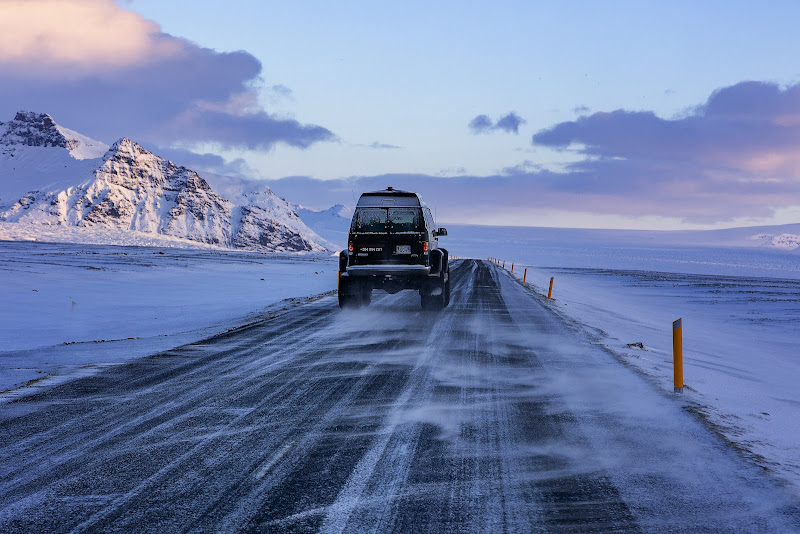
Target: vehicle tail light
x: 425, y: 246
x: 350, y: 247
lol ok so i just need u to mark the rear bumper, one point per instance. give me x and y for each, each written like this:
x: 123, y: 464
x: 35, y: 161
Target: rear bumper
x: 405, y: 271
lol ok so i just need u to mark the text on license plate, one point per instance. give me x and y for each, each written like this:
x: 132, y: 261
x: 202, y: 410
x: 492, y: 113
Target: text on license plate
x: 403, y: 249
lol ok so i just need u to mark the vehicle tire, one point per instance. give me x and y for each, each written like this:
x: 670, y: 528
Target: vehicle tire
x: 432, y: 302
x: 347, y: 298
x: 446, y: 269
x: 447, y: 289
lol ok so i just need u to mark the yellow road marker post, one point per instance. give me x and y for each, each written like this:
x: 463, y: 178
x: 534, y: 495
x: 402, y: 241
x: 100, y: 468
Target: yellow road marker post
x: 525, y: 275
x: 550, y: 291
x: 677, y: 354
x: 512, y: 267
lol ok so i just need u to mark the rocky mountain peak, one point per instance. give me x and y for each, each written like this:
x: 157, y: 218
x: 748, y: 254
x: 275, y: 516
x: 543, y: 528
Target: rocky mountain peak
x: 35, y: 129
x: 128, y: 150
x: 124, y: 145
x: 32, y: 129
x: 130, y: 164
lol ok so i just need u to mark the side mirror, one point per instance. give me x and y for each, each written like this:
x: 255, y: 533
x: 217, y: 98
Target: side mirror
x: 441, y: 232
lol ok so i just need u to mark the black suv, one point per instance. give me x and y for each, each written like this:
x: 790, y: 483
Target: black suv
x: 393, y: 245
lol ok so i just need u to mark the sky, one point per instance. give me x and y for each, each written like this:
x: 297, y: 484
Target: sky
x: 597, y: 114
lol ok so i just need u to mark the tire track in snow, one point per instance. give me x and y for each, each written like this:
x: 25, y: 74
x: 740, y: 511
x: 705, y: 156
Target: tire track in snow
x: 109, y: 420
x: 397, y: 440
x: 64, y: 447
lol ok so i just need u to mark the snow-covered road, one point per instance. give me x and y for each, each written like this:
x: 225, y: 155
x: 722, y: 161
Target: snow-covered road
x: 493, y: 415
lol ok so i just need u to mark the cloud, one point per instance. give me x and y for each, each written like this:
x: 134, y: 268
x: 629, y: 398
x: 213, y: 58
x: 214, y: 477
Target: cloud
x: 254, y: 131
x: 282, y: 90
x: 508, y: 123
x: 737, y: 156
x: 452, y: 171
x: 78, y: 36
x: 526, y: 167
x: 481, y: 124
x: 107, y: 72
x: 205, y: 163
x: 461, y: 198
x: 378, y: 145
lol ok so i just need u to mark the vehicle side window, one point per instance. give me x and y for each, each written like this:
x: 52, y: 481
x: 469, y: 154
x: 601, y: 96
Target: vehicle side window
x: 370, y: 220
x: 429, y: 220
x: 405, y: 220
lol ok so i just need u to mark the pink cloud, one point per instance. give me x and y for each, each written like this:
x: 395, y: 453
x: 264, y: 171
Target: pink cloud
x: 107, y: 72
x: 78, y: 37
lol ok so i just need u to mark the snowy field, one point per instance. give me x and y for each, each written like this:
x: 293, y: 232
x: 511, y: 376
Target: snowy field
x: 740, y: 308
x: 71, y: 309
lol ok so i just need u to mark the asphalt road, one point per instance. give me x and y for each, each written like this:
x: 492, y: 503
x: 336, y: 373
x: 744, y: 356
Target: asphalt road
x: 495, y: 415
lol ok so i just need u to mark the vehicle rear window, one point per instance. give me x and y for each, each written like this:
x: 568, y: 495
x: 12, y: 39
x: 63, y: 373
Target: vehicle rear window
x: 370, y: 220
x: 399, y: 220
x: 404, y: 220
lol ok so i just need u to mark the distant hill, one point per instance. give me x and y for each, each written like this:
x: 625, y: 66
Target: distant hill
x: 332, y: 223
x: 782, y: 237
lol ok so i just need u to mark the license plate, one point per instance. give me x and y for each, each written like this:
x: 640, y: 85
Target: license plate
x: 403, y: 249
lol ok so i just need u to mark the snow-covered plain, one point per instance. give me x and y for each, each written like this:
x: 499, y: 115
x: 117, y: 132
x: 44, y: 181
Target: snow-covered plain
x: 740, y: 307
x: 69, y: 309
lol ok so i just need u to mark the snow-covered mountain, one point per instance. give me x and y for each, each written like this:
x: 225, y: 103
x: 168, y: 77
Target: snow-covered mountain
x: 38, y: 155
x: 132, y: 189
x: 332, y: 223
x: 256, y: 198
x: 782, y: 240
